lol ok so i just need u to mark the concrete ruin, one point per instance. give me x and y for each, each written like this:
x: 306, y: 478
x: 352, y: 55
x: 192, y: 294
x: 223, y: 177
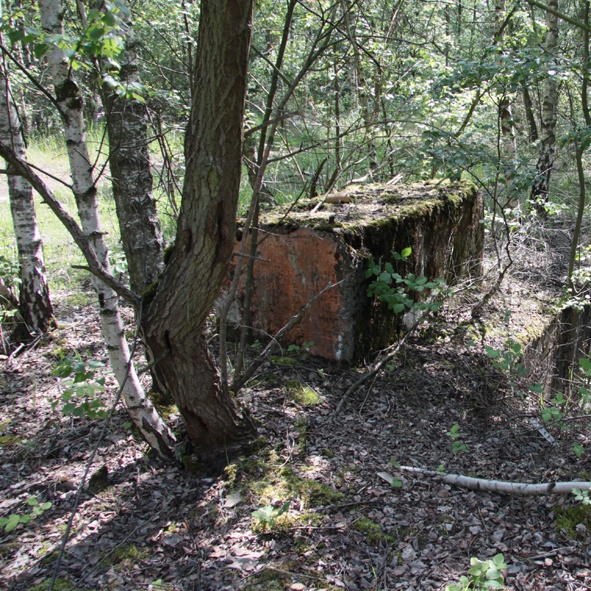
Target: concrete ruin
x: 305, y: 247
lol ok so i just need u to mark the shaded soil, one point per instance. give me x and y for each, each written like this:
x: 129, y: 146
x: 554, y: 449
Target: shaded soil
x: 145, y: 524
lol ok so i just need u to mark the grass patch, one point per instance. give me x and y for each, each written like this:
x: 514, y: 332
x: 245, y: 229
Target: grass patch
x: 373, y: 531
x: 302, y: 394
x: 270, y: 485
x: 567, y: 519
x: 8, y: 440
x: 60, y: 585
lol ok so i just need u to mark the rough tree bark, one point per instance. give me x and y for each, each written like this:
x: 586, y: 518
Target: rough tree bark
x: 129, y: 161
x: 175, y: 318
x: 34, y: 303
x: 69, y: 100
x: 541, y: 185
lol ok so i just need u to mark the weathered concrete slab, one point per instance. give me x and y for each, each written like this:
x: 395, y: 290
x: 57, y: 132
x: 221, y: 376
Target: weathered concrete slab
x: 302, y: 252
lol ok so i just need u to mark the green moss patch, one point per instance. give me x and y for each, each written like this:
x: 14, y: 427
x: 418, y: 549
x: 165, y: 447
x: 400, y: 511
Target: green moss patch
x: 568, y: 518
x: 8, y: 440
x: 373, y: 531
x: 302, y: 394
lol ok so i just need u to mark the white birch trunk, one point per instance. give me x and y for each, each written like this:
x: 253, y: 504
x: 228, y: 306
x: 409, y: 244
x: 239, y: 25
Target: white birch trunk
x: 139, y: 406
x: 497, y: 486
x: 34, y: 303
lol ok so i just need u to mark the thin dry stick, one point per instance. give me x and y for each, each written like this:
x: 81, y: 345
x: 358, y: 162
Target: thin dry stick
x: 374, y: 370
x: 239, y: 382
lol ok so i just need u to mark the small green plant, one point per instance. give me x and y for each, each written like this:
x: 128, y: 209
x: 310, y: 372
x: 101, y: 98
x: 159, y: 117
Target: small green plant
x: 582, y: 496
x: 266, y: 517
x: 393, y: 289
x: 297, y: 348
x: 80, y: 392
x: 509, y: 360
x: 15, y: 519
x: 552, y: 412
x: 482, y: 574
x: 458, y: 446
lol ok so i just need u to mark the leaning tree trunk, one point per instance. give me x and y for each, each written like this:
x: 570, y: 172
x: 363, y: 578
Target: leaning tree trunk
x: 34, y: 304
x: 70, y: 102
x: 129, y: 161
x: 541, y: 185
x: 205, y: 238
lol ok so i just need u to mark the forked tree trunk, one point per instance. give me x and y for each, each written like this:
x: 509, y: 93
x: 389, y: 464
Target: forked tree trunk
x: 70, y: 102
x: 34, y: 303
x: 206, y: 230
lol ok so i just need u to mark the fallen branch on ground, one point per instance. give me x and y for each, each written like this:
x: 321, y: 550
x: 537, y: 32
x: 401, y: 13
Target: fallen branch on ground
x: 500, y: 486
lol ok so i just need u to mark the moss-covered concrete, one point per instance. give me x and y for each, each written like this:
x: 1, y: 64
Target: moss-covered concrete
x: 308, y: 245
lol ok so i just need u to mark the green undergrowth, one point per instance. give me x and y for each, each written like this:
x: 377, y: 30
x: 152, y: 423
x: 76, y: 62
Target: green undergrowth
x: 9, y: 440
x: 279, y: 578
x: 568, y: 518
x: 373, y: 532
x: 303, y: 394
x: 279, y: 491
x: 60, y: 585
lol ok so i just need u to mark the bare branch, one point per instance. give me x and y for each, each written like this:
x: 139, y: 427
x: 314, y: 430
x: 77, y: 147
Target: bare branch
x: 94, y: 264
x: 238, y: 383
x: 501, y: 486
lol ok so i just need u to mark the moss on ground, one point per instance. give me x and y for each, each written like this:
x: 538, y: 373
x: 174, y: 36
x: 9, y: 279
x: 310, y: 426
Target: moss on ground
x: 373, y: 531
x: 568, y: 518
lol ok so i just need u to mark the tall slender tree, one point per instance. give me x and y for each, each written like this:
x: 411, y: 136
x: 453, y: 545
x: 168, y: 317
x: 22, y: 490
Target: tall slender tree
x: 129, y: 161
x: 175, y: 318
x: 541, y: 185
x: 70, y: 103
x: 35, y: 308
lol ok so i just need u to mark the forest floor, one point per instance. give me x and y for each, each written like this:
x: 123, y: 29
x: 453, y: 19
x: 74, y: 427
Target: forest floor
x: 142, y: 523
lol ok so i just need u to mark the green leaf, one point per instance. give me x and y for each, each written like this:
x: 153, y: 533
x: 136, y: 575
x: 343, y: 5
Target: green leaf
x: 109, y: 19
x: 12, y: 522
x: 40, y: 49
x: 95, y: 32
x: 15, y: 35
x: 406, y: 252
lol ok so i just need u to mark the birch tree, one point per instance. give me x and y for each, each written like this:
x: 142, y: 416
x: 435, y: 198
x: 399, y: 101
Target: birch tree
x: 34, y: 303
x: 70, y: 103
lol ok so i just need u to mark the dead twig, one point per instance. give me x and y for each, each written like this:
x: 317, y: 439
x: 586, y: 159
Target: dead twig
x: 239, y: 382
x: 377, y: 366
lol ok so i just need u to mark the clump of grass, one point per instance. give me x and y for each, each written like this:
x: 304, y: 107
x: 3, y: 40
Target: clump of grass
x: 567, y: 519
x: 373, y: 531
x: 302, y: 394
